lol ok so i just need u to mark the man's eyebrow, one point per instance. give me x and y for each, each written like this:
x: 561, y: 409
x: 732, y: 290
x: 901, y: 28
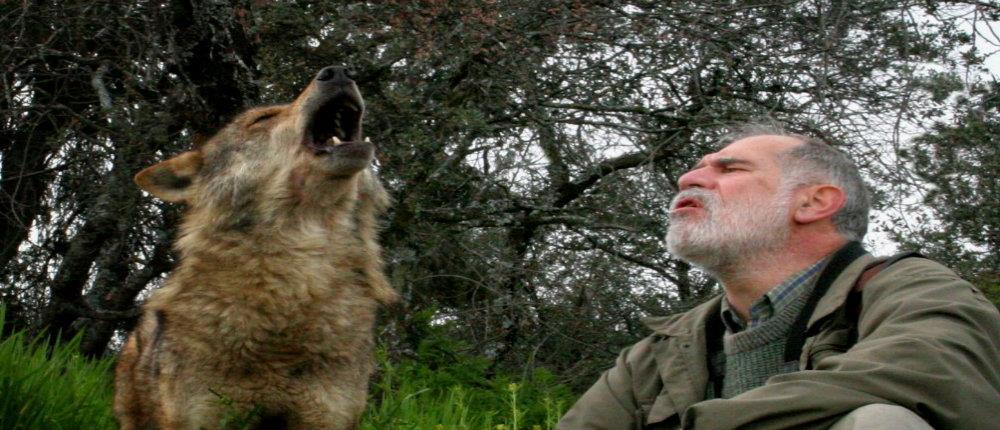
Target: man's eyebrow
x: 729, y: 161
x: 724, y: 162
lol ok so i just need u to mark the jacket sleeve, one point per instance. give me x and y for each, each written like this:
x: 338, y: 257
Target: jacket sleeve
x: 610, y: 404
x: 928, y: 341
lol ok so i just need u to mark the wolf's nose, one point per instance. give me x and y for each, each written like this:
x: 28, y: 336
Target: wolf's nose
x: 334, y: 74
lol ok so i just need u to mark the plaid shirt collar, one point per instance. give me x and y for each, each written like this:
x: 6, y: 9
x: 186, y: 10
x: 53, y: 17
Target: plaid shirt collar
x: 774, y: 301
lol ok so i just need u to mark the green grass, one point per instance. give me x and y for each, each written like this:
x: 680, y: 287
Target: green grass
x: 52, y: 390
x: 437, y: 389
x: 432, y: 394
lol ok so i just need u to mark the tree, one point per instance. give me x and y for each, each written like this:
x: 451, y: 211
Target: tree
x: 531, y: 148
x: 958, y: 161
x: 82, y: 115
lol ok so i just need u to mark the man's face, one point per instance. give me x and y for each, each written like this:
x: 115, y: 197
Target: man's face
x: 732, y: 205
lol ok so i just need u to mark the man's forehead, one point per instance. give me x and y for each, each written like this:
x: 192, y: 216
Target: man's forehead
x: 763, y: 143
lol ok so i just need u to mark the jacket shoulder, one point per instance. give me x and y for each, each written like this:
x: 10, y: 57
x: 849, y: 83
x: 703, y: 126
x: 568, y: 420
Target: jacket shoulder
x: 925, y: 285
x: 918, y: 265
x: 916, y: 275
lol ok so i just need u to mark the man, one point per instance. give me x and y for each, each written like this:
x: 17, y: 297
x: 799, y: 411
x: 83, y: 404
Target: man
x: 797, y: 341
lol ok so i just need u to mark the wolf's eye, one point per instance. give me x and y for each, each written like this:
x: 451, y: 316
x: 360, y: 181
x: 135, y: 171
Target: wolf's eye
x: 262, y: 118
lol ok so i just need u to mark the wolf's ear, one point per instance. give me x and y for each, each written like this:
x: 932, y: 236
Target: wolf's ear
x: 171, y: 180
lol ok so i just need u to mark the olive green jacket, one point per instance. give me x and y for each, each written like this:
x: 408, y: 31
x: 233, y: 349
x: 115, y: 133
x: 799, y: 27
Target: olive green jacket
x: 926, y: 340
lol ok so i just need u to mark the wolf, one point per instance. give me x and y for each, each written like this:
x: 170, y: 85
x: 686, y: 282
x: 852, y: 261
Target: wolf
x: 270, y: 309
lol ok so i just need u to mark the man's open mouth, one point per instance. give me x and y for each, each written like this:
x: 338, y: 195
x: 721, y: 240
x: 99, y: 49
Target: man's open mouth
x: 336, y: 122
x: 688, y: 202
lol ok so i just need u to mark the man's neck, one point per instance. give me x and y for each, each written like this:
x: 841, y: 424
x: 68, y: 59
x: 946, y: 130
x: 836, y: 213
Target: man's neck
x: 753, y: 277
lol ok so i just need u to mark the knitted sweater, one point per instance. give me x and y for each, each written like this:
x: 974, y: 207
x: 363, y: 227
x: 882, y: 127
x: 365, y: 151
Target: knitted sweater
x: 752, y: 355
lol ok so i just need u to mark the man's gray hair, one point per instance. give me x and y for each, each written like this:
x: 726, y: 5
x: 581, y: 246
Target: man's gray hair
x: 814, y: 162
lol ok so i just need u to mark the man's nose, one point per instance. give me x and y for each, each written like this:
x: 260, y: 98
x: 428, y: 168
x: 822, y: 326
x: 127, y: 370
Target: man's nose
x: 334, y: 75
x: 697, y: 177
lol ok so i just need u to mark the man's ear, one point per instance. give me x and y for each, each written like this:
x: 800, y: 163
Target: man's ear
x: 171, y: 180
x: 817, y: 202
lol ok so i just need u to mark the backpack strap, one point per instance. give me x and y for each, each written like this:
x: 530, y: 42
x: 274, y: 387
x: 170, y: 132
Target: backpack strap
x: 852, y: 306
x: 714, y: 332
x: 840, y: 260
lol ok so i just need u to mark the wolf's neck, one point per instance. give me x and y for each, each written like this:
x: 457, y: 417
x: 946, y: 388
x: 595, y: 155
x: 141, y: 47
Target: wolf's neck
x: 297, y: 261
x: 297, y: 239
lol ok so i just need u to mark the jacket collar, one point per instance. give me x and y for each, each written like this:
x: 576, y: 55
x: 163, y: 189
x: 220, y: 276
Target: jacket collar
x: 685, y: 323
x: 681, y: 354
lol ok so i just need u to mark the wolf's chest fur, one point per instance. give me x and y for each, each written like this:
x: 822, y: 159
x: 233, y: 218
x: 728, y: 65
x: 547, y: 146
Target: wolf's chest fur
x: 251, y: 302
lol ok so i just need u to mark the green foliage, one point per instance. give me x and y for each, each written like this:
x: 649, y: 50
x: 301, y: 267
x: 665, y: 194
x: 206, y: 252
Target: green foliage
x: 439, y: 388
x: 52, y: 389
x: 992, y: 292
x: 444, y: 388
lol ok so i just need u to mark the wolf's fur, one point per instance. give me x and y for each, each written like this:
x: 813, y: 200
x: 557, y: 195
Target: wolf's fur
x: 273, y: 300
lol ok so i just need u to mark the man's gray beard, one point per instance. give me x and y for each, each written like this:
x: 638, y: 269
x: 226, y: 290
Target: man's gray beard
x: 731, y: 235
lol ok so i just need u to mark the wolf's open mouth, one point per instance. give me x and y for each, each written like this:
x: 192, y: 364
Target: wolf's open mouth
x: 335, y: 122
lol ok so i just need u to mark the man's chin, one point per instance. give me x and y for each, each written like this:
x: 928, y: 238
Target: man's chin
x: 699, y: 254
x: 697, y: 247
x: 685, y: 244
x: 718, y: 257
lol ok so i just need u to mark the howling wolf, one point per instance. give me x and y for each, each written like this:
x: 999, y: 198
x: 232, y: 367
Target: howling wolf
x: 271, y: 306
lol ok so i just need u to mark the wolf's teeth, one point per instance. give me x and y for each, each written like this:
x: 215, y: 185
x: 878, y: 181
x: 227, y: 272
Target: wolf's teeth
x: 335, y: 140
x: 368, y: 140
